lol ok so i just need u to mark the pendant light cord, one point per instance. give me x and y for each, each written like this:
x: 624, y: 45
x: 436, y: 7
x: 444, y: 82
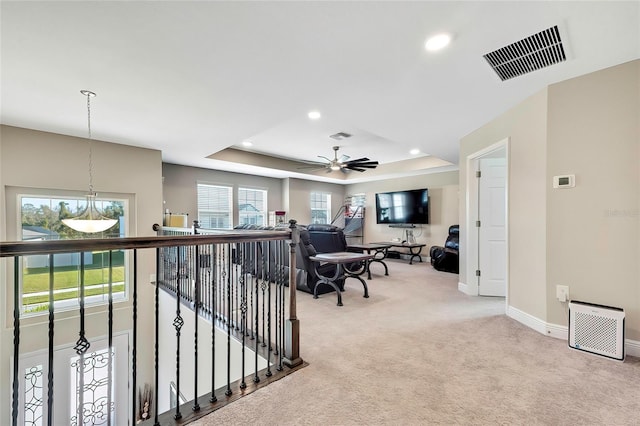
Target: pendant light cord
x: 89, y: 94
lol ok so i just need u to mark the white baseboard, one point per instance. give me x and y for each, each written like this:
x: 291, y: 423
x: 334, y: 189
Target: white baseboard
x: 471, y: 290
x: 527, y: 319
x: 631, y: 347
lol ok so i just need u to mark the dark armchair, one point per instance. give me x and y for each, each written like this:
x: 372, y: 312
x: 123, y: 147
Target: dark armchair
x: 307, y: 279
x: 446, y: 258
x: 327, y: 238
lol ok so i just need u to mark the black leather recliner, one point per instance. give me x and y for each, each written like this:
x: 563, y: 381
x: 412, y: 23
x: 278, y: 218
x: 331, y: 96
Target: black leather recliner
x: 446, y: 258
x: 327, y: 238
x: 306, y: 277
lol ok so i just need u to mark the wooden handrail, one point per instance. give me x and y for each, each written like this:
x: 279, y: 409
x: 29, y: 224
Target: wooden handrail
x: 24, y: 248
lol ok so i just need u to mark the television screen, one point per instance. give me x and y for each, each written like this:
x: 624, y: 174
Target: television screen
x: 407, y: 207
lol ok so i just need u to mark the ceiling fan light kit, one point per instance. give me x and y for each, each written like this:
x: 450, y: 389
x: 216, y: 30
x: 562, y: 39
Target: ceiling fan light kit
x: 343, y: 163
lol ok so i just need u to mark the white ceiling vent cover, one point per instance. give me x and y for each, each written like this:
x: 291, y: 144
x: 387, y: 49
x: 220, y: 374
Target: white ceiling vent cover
x: 597, y: 329
x: 530, y: 54
x: 340, y: 136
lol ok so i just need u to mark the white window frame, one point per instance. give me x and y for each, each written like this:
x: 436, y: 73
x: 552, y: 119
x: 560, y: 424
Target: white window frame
x: 261, y: 214
x: 211, y: 211
x: 324, y: 198
x: 72, y: 303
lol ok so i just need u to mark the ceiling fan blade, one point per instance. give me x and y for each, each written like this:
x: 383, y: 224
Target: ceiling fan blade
x: 366, y: 164
x: 312, y: 166
x: 357, y: 169
x: 325, y: 158
x: 359, y: 160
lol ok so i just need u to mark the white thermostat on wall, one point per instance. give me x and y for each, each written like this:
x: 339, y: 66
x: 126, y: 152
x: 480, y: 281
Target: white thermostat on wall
x: 564, y: 181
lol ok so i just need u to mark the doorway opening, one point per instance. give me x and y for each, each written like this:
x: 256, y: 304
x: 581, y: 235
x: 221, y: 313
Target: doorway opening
x: 487, y: 222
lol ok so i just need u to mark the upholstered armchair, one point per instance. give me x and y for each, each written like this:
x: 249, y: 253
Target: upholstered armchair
x: 446, y: 258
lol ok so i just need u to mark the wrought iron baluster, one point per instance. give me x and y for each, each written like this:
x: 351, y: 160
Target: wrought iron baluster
x: 110, y: 338
x: 256, y: 378
x: 224, y: 288
x: 268, y: 374
x: 82, y: 345
x: 156, y: 421
x: 276, y: 272
x: 134, y: 349
x: 243, y: 307
x: 236, y: 289
x: 228, y: 392
x: 263, y: 287
x: 178, y: 322
x: 51, y: 335
x: 16, y: 339
x: 282, y: 254
x: 196, y: 304
x: 214, y: 314
x: 254, y: 277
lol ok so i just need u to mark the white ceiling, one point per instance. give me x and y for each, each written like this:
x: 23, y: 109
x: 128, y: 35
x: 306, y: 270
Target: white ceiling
x: 193, y: 78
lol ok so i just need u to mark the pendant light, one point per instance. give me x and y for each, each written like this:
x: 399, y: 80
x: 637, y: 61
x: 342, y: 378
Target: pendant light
x: 90, y: 220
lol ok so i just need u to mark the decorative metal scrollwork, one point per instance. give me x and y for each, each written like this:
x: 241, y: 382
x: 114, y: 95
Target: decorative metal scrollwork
x: 95, y: 386
x: 82, y: 345
x: 33, y: 396
x: 178, y: 322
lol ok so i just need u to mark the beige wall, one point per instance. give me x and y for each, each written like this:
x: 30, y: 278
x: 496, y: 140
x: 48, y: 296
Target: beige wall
x: 443, y: 206
x: 585, y: 237
x: 32, y: 159
x: 525, y: 126
x: 300, y: 201
x: 180, y: 192
x: 592, y: 233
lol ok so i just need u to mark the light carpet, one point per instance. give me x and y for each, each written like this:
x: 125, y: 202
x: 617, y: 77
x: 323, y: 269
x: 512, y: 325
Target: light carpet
x: 419, y: 352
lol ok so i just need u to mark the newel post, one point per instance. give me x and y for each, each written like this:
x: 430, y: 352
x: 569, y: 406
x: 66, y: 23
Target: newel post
x: 292, y: 324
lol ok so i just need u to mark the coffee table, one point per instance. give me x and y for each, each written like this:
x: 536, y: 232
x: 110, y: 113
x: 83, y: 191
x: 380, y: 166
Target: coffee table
x: 414, y: 249
x: 380, y: 253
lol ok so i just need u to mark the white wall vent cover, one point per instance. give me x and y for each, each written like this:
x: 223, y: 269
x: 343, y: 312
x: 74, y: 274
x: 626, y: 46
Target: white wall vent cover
x: 597, y: 329
x: 530, y: 54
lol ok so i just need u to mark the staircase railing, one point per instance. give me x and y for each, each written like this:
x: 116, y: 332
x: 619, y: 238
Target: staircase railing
x: 237, y: 280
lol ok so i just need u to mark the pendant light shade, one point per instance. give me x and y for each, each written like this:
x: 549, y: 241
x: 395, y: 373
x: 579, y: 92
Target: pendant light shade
x: 90, y: 220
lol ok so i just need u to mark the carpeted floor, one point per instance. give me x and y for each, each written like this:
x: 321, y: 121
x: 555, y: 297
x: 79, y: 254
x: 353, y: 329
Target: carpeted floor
x: 420, y: 352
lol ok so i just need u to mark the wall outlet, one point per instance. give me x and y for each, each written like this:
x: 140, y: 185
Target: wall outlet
x: 562, y: 292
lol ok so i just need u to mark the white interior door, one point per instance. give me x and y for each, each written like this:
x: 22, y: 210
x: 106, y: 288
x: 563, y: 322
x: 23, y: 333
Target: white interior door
x: 492, y: 254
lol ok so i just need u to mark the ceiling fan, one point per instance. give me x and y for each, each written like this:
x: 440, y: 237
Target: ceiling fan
x: 343, y: 164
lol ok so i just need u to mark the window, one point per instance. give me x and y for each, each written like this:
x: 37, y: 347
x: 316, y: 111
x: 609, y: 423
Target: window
x: 252, y: 206
x: 41, y: 219
x: 214, y: 206
x: 320, y: 207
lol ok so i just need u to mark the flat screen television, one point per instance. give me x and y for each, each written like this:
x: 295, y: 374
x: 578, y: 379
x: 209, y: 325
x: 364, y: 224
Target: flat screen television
x: 403, y: 207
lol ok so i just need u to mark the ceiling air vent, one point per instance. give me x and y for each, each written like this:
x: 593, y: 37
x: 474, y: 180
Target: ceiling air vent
x: 527, y: 55
x: 340, y: 135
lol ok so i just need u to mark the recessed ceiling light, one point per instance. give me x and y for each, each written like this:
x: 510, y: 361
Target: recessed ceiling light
x: 314, y: 115
x: 247, y: 143
x: 414, y: 151
x: 437, y: 42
